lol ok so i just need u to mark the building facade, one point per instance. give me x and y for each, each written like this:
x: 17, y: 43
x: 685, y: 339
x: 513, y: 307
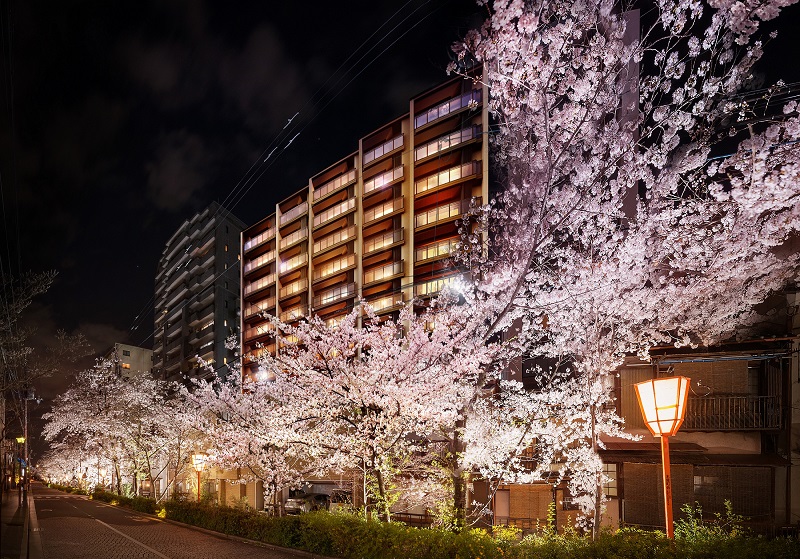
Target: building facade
x: 130, y: 360
x: 376, y: 226
x: 197, y: 296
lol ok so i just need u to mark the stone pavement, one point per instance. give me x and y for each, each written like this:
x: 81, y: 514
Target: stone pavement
x: 74, y: 527
x: 15, y: 524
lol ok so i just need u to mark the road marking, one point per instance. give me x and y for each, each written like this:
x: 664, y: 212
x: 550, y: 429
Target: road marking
x: 137, y: 542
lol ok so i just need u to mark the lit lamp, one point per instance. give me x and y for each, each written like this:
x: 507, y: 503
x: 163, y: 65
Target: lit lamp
x: 663, y: 404
x: 199, y: 464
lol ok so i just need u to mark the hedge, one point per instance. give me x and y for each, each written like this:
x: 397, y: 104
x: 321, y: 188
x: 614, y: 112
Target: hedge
x: 349, y: 536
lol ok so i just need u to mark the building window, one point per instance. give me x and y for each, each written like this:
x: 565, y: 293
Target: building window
x: 226, y: 248
x: 126, y: 366
x: 610, y: 487
x: 126, y: 353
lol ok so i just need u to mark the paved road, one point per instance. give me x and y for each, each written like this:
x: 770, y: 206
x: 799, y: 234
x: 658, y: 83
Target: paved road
x: 74, y: 527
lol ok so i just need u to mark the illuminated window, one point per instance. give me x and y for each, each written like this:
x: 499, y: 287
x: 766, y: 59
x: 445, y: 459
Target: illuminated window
x: 126, y: 366
x: 610, y: 487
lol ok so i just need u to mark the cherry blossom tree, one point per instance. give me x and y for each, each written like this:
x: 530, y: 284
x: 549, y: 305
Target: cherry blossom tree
x: 383, y: 397
x: 649, y: 195
x: 128, y: 422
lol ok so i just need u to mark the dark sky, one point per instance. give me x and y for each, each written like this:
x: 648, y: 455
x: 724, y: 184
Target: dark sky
x: 120, y: 120
x: 128, y: 117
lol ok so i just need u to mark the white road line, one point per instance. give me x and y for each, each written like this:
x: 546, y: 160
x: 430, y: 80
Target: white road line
x: 137, y: 542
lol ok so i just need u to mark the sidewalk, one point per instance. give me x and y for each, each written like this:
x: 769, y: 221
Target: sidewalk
x: 17, y: 522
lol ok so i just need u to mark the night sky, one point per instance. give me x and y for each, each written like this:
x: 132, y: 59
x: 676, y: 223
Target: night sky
x: 129, y: 117
x: 120, y: 120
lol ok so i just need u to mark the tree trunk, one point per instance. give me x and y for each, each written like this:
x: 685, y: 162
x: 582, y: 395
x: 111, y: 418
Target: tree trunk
x: 459, y: 489
x: 385, y: 514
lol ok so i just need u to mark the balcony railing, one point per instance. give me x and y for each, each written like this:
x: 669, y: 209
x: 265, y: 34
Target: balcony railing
x: 332, y: 186
x: 260, y: 330
x: 336, y: 294
x: 256, y: 263
x: 732, y: 413
x: 294, y: 213
x: 340, y: 236
x: 293, y: 238
x: 433, y: 286
x: 383, y: 149
x: 259, y: 239
x: 383, y: 210
x: 258, y: 284
x: 294, y: 288
x: 294, y: 262
x: 441, y: 213
x: 379, y: 181
x: 374, y: 244
x: 386, y: 302
x: 266, y: 305
x: 452, y: 174
x: 334, y: 267
x: 290, y: 315
x: 449, y: 106
x: 448, y: 141
x: 334, y: 211
x: 383, y: 272
x: 435, y: 250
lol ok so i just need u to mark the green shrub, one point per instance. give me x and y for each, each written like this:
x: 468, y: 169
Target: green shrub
x: 350, y: 536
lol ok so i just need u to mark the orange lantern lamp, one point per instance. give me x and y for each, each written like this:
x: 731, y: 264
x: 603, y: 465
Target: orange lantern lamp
x: 663, y: 403
x: 199, y: 464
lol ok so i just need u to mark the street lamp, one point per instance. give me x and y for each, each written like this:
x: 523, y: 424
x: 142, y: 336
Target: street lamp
x: 663, y: 404
x: 199, y: 464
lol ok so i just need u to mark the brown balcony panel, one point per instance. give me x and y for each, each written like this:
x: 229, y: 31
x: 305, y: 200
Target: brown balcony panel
x: 732, y: 413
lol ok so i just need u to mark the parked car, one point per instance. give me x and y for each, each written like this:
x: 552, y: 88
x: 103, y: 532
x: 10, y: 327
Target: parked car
x: 307, y: 503
x: 340, y: 499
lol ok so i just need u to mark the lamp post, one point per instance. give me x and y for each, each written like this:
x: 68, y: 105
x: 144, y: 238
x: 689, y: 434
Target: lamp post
x: 199, y: 464
x: 663, y: 404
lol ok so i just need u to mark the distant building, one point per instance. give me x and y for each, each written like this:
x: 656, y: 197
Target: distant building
x: 197, y: 296
x: 130, y: 360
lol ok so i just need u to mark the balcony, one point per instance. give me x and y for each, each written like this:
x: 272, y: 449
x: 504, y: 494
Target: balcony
x: 440, y: 213
x: 294, y: 263
x: 434, y: 251
x: 290, y: 315
x: 258, y: 331
x: 386, y: 303
x: 294, y: 238
x: 257, y: 263
x: 259, y: 284
x: 732, y: 413
x: 385, y: 272
x: 383, y: 210
x: 336, y: 294
x: 336, y: 184
x: 294, y: 288
x: 333, y: 267
x: 448, y: 176
x: 174, y: 330
x: 450, y: 106
x: 266, y: 305
x: 259, y: 239
x: 334, y: 212
x: 294, y: 213
x: 174, y: 346
x: 446, y: 142
x: 383, y: 149
x: 341, y: 236
x: 388, y: 239
x: 432, y: 287
x: 379, y: 181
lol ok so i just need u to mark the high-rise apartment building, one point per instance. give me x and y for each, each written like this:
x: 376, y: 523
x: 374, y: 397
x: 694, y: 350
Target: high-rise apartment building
x: 197, y: 296
x: 376, y: 226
